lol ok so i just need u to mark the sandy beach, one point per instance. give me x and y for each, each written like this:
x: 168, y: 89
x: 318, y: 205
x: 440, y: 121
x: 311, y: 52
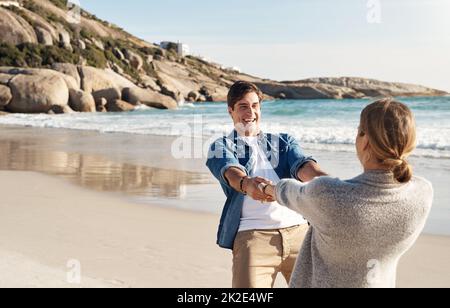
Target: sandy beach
x: 122, y: 217
x: 45, y: 223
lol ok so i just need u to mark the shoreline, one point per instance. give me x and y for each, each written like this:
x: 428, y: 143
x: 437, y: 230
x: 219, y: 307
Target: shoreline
x: 132, y: 168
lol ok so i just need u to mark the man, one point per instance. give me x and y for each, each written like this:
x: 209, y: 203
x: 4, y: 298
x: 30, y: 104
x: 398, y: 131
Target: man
x: 264, y: 236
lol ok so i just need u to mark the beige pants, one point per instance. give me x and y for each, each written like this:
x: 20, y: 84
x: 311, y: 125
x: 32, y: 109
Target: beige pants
x: 259, y: 255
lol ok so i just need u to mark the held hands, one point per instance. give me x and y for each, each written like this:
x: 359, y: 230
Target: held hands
x: 269, y: 190
x: 258, y: 189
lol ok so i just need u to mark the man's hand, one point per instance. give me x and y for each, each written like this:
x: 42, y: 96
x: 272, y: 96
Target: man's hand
x: 270, y: 191
x: 310, y: 171
x: 251, y: 186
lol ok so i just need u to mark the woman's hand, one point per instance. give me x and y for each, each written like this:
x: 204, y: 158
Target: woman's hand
x: 268, y: 189
x: 254, y: 189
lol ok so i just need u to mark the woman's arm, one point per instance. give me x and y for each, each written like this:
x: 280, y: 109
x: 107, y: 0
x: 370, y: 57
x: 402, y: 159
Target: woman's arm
x: 302, y: 198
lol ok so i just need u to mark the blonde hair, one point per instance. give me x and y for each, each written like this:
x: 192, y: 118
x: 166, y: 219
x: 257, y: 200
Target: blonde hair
x: 391, y: 130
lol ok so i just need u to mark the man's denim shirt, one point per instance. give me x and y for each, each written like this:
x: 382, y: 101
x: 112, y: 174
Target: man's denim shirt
x: 283, y: 152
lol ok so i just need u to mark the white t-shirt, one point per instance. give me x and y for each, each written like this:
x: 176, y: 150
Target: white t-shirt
x: 265, y: 216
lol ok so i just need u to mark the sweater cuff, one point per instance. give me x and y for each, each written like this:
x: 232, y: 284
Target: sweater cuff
x: 279, y: 192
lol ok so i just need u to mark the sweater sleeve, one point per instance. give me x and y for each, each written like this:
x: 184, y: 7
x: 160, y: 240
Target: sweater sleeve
x: 301, y: 198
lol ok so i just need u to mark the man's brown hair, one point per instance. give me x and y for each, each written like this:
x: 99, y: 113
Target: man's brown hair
x: 239, y: 90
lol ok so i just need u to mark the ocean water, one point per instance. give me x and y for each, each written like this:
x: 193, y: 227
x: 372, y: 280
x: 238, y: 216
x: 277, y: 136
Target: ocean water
x: 318, y: 124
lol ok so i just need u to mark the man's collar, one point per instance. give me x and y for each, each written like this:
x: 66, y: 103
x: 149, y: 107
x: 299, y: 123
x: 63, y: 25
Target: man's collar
x: 234, y: 135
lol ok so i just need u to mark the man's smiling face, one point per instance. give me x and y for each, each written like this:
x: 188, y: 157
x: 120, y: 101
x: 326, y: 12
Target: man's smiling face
x: 246, y: 115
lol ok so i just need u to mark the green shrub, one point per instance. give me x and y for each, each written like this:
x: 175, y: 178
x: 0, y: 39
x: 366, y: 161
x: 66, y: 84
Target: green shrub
x: 32, y: 6
x: 129, y: 70
x: 53, y: 54
x: 113, y: 43
x: 54, y: 18
x: 62, y: 4
x: 31, y: 54
x: 35, y: 55
x: 11, y: 56
x: 94, y: 57
x: 86, y: 34
x: 151, y: 51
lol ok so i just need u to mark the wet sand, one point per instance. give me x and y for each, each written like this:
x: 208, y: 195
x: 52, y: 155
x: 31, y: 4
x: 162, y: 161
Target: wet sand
x: 135, y: 217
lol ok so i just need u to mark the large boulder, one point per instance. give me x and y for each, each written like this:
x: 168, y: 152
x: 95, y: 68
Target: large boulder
x: 135, y: 59
x: 148, y: 97
x: 70, y: 70
x: 98, y: 44
x: 175, y: 80
x: 214, y: 93
x: 44, y: 37
x: 64, y: 38
x: 193, y: 96
x: 5, y: 96
x: 103, y: 83
x: 5, y: 78
x: 71, y: 83
x: 38, y: 93
x: 14, y: 29
x: 119, y: 106
x: 81, y: 44
x: 94, y: 79
x: 40, y: 22
x: 116, y: 68
x: 81, y: 101
x: 170, y: 89
x: 101, y: 105
x: 150, y: 83
x: 58, y: 109
x: 110, y: 95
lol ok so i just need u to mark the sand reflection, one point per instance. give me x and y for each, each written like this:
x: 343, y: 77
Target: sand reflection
x: 96, y: 172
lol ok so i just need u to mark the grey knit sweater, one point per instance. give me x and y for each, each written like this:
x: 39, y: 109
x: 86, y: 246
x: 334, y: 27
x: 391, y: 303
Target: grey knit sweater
x: 360, y: 228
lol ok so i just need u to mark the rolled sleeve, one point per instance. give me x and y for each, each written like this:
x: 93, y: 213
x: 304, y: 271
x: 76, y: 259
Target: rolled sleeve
x: 224, y: 169
x: 221, y: 157
x: 299, y: 165
x: 296, y: 158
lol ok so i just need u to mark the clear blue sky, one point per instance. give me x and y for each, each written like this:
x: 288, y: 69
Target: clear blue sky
x: 295, y: 39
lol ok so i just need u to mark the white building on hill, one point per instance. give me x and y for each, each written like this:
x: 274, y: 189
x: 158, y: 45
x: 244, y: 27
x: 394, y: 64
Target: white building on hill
x: 182, y: 49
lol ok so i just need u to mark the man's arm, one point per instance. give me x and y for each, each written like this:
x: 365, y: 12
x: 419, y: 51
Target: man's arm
x: 249, y: 185
x: 309, y: 171
x: 303, y: 168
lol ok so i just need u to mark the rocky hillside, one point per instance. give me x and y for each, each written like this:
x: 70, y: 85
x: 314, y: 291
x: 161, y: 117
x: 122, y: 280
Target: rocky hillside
x: 49, y: 63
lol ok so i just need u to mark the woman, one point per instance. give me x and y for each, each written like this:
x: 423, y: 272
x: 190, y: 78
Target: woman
x: 360, y: 228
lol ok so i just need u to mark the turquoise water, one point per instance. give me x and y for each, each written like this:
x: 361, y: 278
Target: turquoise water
x: 318, y: 124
